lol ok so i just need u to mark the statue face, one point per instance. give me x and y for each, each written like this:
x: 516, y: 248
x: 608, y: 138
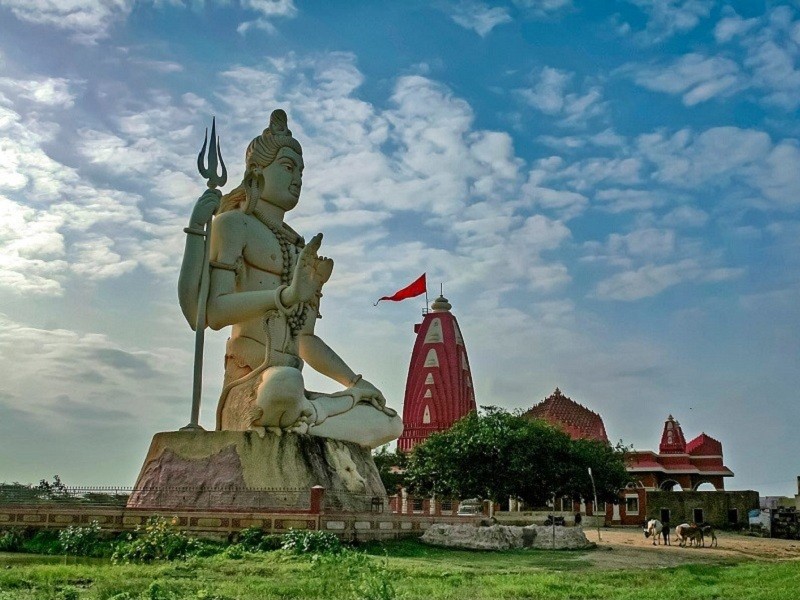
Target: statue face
x: 283, y: 179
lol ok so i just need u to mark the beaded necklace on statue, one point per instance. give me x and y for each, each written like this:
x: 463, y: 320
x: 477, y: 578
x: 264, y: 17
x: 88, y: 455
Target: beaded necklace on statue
x: 297, y: 318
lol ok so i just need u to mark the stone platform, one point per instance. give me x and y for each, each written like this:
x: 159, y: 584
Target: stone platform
x: 238, y: 470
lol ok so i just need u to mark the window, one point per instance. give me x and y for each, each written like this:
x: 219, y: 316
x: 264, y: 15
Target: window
x: 632, y: 505
x: 697, y: 515
x: 416, y: 505
x: 434, y: 334
x: 598, y: 508
x: 447, y: 505
x: 733, y: 516
x: 426, y: 418
x: 431, y: 359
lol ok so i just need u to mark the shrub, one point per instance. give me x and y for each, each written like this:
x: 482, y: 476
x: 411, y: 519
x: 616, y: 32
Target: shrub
x: 44, y: 541
x: 69, y: 593
x: 253, y: 539
x: 310, y: 542
x: 81, y: 541
x: 11, y: 540
x: 234, y: 552
x: 157, y: 540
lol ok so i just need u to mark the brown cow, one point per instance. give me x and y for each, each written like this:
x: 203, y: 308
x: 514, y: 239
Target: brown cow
x: 688, y: 533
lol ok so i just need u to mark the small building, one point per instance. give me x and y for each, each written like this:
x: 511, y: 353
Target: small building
x: 439, y: 388
x: 678, y: 463
x: 574, y: 419
x: 686, y: 466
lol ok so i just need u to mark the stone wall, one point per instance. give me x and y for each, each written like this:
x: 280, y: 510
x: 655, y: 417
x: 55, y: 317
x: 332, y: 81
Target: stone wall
x: 221, y: 524
x: 718, y: 508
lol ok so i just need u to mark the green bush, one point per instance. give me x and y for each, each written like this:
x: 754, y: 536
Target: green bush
x: 11, y: 540
x: 254, y: 539
x: 310, y: 542
x: 159, y: 539
x: 81, y: 541
x: 44, y: 541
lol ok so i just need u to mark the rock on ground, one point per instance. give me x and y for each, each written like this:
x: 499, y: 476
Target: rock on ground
x: 504, y: 537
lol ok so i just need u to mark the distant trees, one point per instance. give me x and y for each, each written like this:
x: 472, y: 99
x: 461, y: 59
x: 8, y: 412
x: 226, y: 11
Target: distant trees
x: 391, y: 468
x: 497, y: 455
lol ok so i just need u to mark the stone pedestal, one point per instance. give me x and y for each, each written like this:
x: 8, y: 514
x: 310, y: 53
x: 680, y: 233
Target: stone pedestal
x: 238, y: 470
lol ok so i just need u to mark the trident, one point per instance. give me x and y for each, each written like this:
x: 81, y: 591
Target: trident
x: 213, y: 180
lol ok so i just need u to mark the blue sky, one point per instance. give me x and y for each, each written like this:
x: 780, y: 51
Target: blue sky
x: 609, y: 192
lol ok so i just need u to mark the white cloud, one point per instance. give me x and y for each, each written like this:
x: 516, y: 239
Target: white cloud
x: 87, y: 20
x: 720, y: 156
x: 550, y: 95
x: 616, y: 200
x: 50, y: 92
x: 686, y: 216
x: 695, y: 77
x: 31, y: 250
x: 267, y: 10
x: 652, y: 279
x: 666, y: 18
x: 94, y: 259
x: 771, y: 48
x: 543, y: 8
x: 42, y: 368
x: 732, y: 25
x: 480, y: 17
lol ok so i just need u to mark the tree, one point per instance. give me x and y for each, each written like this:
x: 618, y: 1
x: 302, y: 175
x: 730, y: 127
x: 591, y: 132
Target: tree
x: 498, y: 455
x: 391, y: 468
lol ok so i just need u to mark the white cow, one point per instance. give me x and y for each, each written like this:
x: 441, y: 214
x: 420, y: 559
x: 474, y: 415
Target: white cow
x: 653, y: 528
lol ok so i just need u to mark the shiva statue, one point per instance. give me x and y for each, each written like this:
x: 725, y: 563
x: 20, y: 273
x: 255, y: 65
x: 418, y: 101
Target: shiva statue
x: 266, y: 283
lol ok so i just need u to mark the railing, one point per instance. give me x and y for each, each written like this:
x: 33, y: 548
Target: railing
x: 219, y: 498
x: 77, y: 496
x: 228, y: 498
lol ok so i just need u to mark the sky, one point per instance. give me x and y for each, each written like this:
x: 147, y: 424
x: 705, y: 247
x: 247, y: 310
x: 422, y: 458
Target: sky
x: 609, y: 193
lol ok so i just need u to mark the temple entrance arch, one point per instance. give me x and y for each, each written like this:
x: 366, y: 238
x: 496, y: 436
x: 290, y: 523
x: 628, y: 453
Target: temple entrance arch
x: 705, y: 486
x: 670, y: 485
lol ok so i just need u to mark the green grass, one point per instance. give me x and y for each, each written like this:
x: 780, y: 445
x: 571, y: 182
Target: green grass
x: 414, y: 570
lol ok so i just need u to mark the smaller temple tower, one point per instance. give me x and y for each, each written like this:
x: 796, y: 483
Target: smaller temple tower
x: 439, y: 385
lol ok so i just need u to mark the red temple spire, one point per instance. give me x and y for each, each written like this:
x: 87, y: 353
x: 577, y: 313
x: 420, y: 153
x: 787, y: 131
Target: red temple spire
x: 672, y: 440
x: 439, y: 387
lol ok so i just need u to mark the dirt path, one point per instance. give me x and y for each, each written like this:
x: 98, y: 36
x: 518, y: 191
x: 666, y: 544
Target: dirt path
x: 628, y: 548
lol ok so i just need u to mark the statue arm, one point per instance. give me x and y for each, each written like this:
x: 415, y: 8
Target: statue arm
x: 320, y: 357
x: 192, y: 265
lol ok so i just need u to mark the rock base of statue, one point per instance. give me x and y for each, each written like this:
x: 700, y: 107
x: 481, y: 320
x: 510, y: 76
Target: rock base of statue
x: 239, y: 470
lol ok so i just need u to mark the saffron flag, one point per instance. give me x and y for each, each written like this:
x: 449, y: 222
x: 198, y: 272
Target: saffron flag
x: 417, y: 288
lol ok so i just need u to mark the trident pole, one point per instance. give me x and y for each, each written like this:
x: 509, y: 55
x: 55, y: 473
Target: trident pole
x: 213, y: 181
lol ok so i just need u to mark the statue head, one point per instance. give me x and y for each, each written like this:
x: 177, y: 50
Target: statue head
x: 275, y: 142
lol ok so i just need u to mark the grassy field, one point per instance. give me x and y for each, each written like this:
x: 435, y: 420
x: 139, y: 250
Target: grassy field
x: 395, y: 570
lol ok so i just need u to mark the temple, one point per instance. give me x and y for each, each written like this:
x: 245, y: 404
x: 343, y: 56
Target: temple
x: 439, y: 387
x: 678, y: 462
x: 574, y: 419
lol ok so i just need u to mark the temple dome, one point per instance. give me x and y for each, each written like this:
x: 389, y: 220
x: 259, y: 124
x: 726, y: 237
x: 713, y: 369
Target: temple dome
x: 574, y: 419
